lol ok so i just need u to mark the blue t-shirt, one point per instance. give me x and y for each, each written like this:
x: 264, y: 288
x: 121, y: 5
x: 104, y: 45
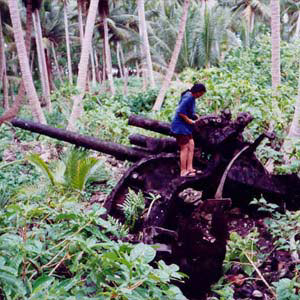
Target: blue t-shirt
x: 186, y: 107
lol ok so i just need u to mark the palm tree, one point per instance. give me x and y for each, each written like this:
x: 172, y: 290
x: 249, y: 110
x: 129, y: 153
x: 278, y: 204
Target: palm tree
x: 52, y: 20
x: 294, y: 131
x: 24, y: 62
x: 104, y: 12
x: 250, y: 10
x: 36, y: 6
x: 291, y: 11
x: 14, y: 109
x: 80, y: 21
x: 173, y: 61
x: 68, y: 42
x: 2, y: 54
x: 275, y: 35
x: 83, y: 64
x: 145, y: 48
x: 3, y: 76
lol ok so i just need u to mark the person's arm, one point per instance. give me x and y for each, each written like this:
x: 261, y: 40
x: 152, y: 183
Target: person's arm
x: 187, y: 119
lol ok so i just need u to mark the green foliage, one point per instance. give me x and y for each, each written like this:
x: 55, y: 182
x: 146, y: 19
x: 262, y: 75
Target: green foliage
x: 72, y: 172
x: 241, y: 249
x: 66, y: 240
x: 263, y: 205
x: 242, y: 82
x: 143, y: 102
x: 225, y: 291
x: 35, y: 159
x: 133, y: 207
x: 79, y: 168
x: 284, y: 228
x: 286, y: 289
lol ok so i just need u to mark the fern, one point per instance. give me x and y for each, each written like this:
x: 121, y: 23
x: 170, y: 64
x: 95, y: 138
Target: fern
x: 117, y: 228
x: 133, y: 207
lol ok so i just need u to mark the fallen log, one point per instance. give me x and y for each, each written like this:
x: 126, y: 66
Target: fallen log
x: 119, y: 151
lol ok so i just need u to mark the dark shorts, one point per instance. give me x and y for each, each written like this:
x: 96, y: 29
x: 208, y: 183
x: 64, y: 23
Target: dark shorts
x: 183, y: 139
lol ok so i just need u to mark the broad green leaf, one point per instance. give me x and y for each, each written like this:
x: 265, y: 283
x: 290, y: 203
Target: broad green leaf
x: 142, y: 251
x: 42, y: 282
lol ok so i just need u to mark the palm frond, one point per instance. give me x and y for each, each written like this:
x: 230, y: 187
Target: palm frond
x: 36, y: 160
x: 79, y: 168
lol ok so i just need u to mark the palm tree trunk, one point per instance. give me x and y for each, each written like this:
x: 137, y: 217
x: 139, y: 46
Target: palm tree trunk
x: 108, y: 57
x: 80, y: 22
x: 24, y: 62
x: 2, y: 54
x: 294, y: 131
x: 14, y: 109
x: 39, y: 54
x: 98, y: 79
x: 93, y: 68
x: 119, y: 60
x: 68, y: 44
x: 297, y: 32
x: 56, y: 63
x: 41, y: 58
x: 143, y: 54
x: 275, y: 28
x: 103, y: 66
x: 5, y: 90
x: 145, y: 42
x: 83, y: 64
x: 3, y: 75
x: 173, y: 61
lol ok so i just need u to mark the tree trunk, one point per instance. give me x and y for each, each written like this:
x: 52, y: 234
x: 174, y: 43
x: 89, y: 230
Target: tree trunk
x: 297, y: 31
x: 80, y: 22
x: 145, y: 42
x: 24, y: 62
x: 108, y: 57
x: 93, y: 68
x: 83, y: 64
x: 143, y: 55
x: 2, y: 53
x: 98, y: 79
x: 47, y: 83
x: 49, y: 70
x: 5, y: 90
x: 39, y: 54
x: 68, y: 43
x: 56, y: 63
x: 294, y: 131
x: 3, y: 75
x: 172, y: 65
x: 42, y: 59
x: 120, y: 65
x: 14, y: 109
x: 275, y: 28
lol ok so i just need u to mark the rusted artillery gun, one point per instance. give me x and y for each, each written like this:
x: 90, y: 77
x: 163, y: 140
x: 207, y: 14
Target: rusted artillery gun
x: 225, y: 158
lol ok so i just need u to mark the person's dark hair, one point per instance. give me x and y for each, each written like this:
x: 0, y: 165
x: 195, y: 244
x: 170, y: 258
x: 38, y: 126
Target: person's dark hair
x: 196, y: 88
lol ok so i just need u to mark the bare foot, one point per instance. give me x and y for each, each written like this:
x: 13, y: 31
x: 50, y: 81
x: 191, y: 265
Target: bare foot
x: 189, y: 174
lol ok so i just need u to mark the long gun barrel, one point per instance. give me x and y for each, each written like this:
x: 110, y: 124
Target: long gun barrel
x: 119, y: 151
